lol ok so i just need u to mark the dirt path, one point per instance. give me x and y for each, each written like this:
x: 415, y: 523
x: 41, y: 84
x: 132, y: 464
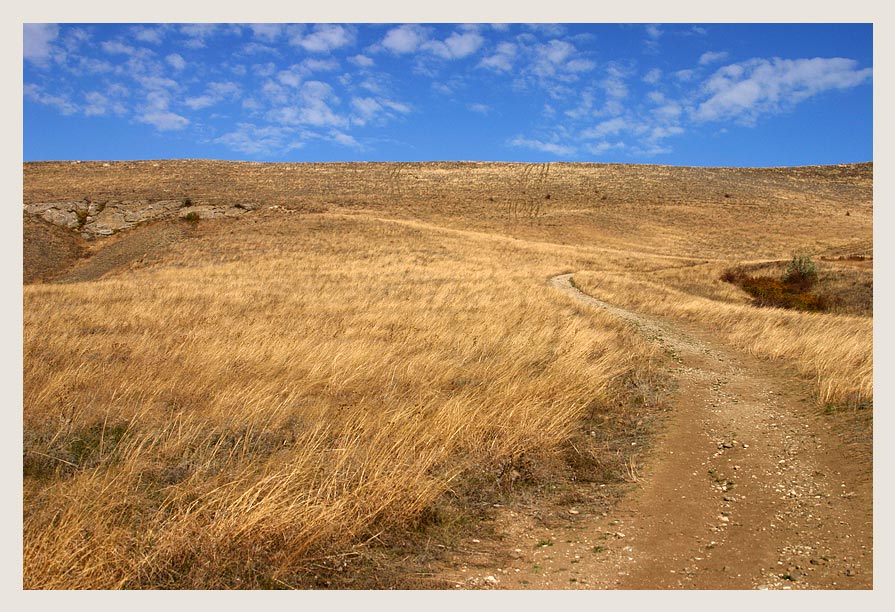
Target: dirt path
x: 747, y: 487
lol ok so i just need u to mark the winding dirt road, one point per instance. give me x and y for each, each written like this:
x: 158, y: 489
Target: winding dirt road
x: 746, y: 487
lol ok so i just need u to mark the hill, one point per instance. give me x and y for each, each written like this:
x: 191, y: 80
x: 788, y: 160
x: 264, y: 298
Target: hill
x: 245, y: 375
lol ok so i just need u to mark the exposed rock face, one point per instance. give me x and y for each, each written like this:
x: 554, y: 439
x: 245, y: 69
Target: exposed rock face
x: 94, y: 219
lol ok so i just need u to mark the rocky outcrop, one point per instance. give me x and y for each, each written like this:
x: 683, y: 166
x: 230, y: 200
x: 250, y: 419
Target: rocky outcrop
x: 95, y: 219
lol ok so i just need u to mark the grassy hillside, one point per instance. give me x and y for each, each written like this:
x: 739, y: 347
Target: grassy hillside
x: 372, y: 356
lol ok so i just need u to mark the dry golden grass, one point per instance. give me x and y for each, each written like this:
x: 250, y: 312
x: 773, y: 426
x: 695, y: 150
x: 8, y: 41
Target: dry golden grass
x: 263, y: 393
x: 834, y: 350
x: 218, y: 424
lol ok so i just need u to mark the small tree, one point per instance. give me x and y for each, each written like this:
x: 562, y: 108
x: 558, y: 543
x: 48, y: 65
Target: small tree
x: 801, y: 271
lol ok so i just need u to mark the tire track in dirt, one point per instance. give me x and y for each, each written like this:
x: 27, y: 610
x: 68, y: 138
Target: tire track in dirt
x: 746, y: 487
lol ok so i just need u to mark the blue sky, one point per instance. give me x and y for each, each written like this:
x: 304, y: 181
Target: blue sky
x: 680, y: 94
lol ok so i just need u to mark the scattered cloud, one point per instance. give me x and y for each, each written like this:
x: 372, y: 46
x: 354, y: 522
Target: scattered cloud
x: 605, y: 128
x: 152, y: 35
x: 176, y: 61
x: 215, y: 93
x: 604, y: 146
x: 559, y: 150
x: 455, y: 46
x: 267, y: 32
x: 36, y: 41
x: 59, y: 102
x: 196, y: 33
x: 502, y: 59
x: 745, y: 91
x: 711, y: 57
x: 362, y: 61
x: 653, y: 34
x: 346, y: 140
x: 404, y: 39
x: 253, y: 140
x: 164, y: 120
x: 571, y: 95
x: 115, y: 47
x: 324, y: 38
x: 652, y: 77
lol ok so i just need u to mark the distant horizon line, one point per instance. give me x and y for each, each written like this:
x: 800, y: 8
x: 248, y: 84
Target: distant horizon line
x: 432, y: 161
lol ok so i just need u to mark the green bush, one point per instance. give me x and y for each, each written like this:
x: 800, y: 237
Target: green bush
x: 801, y: 271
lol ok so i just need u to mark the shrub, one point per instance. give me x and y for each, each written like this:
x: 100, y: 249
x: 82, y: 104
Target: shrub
x: 801, y: 271
x: 192, y: 217
x: 186, y: 202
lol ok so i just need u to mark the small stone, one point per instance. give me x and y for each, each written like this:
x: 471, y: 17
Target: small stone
x: 573, y: 511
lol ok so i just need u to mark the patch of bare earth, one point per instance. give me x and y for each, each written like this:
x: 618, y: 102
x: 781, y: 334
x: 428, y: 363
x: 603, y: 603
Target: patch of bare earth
x: 748, y: 486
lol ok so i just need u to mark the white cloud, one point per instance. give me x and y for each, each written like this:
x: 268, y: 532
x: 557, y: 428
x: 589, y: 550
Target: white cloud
x: 404, y: 39
x: 396, y: 106
x: 549, y: 57
x: 614, y: 84
x: 274, y: 92
x: 585, y: 106
x: 553, y: 148
x: 264, y: 70
x: 268, y: 32
x: 164, y: 121
x: 291, y: 77
x: 196, y: 33
x: 313, y: 107
x: 685, y: 75
x: 254, y: 48
x: 455, y: 46
x: 653, y: 33
x: 580, y: 65
x: 556, y: 51
x: 660, y: 132
x: 155, y: 112
x: 149, y: 34
x: 176, y: 61
x: 502, y: 59
x: 250, y: 139
x: 361, y: 60
x: 199, y: 102
x: 344, y: 139
x: 317, y: 65
x: 97, y: 104
x: 365, y: 109
x: 710, y: 57
x: 324, y: 38
x: 93, y: 65
x: 604, y: 146
x: 652, y: 77
x: 610, y: 126
x: 745, y: 91
x: 114, y: 47
x: 154, y: 83
x: 59, y: 102
x: 478, y: 107
x: 668, y: 112
x: 216, y: 92
x: 36, y: 41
